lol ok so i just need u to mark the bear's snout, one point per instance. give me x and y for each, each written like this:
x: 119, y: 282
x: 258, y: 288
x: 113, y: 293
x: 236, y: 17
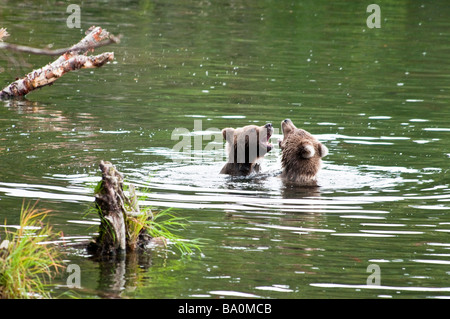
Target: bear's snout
x: 269, y: 131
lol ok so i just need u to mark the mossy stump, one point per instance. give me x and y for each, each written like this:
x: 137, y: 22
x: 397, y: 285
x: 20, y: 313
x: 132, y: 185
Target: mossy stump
x: 115, y: 209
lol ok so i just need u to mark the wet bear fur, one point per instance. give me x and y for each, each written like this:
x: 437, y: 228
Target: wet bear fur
x: 245, y: 147
x: 302, y: 154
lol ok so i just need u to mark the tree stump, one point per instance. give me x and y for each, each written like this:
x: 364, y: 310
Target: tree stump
x: 119, y: 230
x: 109, y: 200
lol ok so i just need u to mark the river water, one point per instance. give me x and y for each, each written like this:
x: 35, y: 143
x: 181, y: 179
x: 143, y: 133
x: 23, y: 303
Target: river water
x: 377, y: 98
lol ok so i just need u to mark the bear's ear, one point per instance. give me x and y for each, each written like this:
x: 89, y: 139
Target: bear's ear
x: 323, y: 150
x: 228, y: 134
x: 307, y: 150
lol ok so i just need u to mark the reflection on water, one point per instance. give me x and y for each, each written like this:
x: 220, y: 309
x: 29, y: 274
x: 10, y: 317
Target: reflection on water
x: 378, y: 99
x: 260, y: 214
x: 387, y: 215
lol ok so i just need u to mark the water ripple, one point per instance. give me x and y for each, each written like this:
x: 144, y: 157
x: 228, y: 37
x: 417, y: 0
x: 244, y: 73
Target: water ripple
x: 396, y: 288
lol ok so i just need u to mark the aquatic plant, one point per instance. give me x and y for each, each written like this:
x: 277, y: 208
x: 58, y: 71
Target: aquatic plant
x: 162, y: 227
x: 125, y: 226
x: 27, y: 261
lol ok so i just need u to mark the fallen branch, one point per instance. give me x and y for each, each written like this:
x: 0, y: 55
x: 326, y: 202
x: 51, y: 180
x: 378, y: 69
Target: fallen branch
x: 72, y: 59
x: 26, y: 49
x: 49, y: 74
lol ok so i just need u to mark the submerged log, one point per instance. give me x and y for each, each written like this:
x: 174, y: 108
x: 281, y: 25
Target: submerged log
x: 71, y: 59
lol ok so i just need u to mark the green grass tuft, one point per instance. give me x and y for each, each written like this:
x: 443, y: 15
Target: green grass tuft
x: 28, y: 263
x: 159, y: 225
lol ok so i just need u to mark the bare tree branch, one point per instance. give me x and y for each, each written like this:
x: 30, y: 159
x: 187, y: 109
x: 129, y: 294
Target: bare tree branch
x: 71, y: 59
x: 26, y: 49
x: 96, y: 37
x: 50, y: 73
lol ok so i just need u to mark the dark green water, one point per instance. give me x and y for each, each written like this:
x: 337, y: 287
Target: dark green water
x: 377, y: 98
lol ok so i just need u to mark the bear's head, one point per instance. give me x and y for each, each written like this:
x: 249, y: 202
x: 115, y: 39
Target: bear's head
x: 245, y: 145
x: 301, y: 154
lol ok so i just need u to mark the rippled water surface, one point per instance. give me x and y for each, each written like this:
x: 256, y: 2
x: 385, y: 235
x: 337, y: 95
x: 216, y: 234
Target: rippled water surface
x: 377, y: 98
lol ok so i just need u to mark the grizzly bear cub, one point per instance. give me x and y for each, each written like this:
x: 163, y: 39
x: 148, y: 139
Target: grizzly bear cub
x: 301, y: 155
x: 245, y: 146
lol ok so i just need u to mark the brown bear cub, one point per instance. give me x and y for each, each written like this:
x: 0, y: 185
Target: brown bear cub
x: 245, y: 147
x: 301, y: 155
